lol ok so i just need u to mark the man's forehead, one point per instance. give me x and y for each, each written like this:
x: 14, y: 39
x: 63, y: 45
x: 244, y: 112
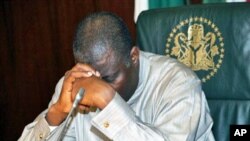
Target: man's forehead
x: 107, y: 64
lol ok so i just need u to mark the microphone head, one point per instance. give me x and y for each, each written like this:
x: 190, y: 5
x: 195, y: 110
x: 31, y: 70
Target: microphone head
x: 79, y: 96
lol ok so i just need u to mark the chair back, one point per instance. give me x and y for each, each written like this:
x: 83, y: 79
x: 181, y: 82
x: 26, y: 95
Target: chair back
x: 213, y: 40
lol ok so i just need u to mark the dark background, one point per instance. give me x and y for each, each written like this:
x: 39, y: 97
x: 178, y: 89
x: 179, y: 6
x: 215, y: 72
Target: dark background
x: 36, y: 50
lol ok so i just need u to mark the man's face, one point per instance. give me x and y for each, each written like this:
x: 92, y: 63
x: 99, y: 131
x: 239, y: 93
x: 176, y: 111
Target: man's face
x: 121, y: 78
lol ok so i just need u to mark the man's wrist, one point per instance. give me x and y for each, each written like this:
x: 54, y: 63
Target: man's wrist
x: 54, y: 117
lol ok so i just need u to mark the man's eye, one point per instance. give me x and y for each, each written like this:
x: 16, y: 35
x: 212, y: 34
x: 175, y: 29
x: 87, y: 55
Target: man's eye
x: 108, y: 79
x: 111, y: 78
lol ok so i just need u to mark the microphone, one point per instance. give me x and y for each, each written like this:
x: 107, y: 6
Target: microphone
x: 69, y: 118
x: 79, y: 96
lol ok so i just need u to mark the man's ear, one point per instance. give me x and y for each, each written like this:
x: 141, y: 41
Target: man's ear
x: 134, y: 54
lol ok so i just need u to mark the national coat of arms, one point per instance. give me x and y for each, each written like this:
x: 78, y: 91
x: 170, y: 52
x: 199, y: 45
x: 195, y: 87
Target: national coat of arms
x: 197, y: 43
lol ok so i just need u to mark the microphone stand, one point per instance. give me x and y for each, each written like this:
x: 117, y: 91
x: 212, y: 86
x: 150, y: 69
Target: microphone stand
x: 69, y: 118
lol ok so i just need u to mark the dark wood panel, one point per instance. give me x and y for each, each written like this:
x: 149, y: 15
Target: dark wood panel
x: 123, y: 8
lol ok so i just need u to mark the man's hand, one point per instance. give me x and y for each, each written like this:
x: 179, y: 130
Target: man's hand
x: 98, y: 93
x: 59, y: 111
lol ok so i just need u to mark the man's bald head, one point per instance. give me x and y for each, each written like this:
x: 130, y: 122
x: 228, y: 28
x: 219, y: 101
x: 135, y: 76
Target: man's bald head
x: 97, y: 35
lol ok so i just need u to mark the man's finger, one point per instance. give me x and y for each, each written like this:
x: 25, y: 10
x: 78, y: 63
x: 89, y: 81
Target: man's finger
x: 85, y: 68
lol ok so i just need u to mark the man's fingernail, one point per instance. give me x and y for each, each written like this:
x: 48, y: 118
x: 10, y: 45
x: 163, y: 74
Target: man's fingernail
x: 89, y: 73
x: 97, y: 73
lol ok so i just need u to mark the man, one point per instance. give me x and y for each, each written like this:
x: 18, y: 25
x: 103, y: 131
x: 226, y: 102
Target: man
x: 138, y: 95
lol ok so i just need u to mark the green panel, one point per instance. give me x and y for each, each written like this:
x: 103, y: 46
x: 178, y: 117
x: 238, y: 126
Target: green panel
x: 213, y: 1
x: 165, y: 3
